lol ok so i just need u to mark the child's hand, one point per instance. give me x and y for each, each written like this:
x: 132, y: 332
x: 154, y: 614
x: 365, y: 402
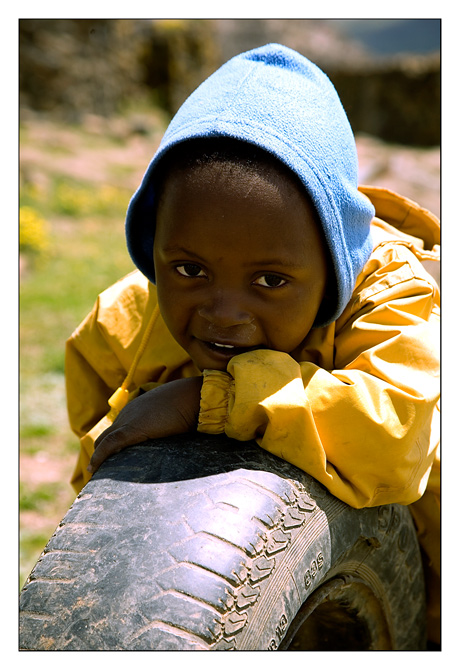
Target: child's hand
x: 170, y: 409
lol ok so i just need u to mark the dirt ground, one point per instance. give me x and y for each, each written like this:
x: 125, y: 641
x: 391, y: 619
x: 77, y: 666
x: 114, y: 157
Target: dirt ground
x: 413, y: 172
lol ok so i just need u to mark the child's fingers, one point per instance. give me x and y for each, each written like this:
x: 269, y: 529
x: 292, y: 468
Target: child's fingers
x: 103, y: 450
x: 110, y: 442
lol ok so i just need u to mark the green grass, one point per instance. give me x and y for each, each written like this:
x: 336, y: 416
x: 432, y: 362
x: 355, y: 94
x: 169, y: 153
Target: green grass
x: 84, y: 253
x: 34, y: 499
x: 31, y: 430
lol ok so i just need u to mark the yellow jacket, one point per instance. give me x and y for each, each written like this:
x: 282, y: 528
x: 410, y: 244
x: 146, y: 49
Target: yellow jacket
x: 357, y: 411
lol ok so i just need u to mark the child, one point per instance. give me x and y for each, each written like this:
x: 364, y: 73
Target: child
x: 275, y: 301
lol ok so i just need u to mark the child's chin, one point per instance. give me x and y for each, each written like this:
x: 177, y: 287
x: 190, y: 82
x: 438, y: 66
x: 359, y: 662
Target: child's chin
x: 211, y: 365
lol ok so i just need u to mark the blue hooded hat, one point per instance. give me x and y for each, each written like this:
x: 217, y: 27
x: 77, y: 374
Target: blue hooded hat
x: 278, y: 100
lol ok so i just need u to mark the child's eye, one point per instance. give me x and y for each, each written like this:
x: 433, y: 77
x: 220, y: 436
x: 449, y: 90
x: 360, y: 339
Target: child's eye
x: 270, y: 281
x: 190, y: 270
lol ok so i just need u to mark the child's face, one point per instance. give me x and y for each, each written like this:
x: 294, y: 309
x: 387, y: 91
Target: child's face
x: 239, y: 263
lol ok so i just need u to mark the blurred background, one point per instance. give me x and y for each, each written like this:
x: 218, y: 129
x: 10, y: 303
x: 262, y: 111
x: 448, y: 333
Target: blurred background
x: 95, y: 96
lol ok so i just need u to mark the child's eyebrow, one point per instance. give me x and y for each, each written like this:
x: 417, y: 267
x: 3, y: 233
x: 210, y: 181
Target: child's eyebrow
x: 175, y: 250
x: 275, y: 262
x: 272, y: 261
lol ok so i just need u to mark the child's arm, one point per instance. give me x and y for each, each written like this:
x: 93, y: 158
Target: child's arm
x: 363, y: 429
x: 169, y: 409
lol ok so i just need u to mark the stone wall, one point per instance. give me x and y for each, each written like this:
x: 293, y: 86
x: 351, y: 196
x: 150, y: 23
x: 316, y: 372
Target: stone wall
x: 69, y: 68
x: 400, y: 102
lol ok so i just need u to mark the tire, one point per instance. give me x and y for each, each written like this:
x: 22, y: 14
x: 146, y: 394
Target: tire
x: 201, y: 542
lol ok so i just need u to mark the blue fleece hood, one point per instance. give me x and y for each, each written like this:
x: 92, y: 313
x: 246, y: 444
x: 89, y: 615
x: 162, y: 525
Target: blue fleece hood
x: 277, y: 99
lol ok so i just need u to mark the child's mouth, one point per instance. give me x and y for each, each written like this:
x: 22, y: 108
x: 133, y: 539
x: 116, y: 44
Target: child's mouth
x: 225, y: 350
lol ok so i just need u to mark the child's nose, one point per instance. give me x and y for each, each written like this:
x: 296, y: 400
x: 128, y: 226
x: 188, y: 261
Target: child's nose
x: 225, y: 309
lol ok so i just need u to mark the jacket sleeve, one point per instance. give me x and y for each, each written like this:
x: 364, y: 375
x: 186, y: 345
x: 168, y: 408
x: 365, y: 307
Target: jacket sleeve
x: 363, y: 429
x: 93, y: 372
